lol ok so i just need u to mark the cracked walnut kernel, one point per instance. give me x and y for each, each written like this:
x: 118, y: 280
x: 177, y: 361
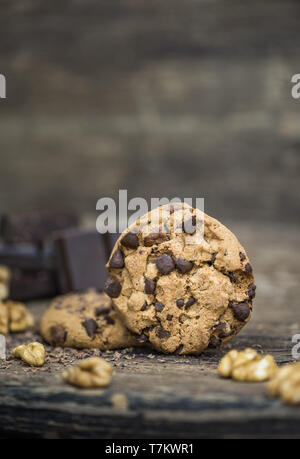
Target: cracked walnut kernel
x: 33, y: 354
x: 247, y: 366
x: 89, y: 373
x: 286, y: 384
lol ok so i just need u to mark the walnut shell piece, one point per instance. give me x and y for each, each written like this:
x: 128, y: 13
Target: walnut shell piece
x: 247, y: 366
x: 89, y: 373
x: 33, y: 354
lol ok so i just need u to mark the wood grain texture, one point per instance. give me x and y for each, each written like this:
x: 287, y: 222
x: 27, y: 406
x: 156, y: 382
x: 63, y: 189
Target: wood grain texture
x: 162, y: 98
x: 173, y: 396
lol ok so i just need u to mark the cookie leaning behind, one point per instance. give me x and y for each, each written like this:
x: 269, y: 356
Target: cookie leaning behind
x: 85, y: 321
x: 180, y: 296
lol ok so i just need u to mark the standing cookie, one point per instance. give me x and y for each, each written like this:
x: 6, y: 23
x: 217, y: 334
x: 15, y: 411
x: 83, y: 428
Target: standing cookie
x: 85, y: 321
x: 179, y: 295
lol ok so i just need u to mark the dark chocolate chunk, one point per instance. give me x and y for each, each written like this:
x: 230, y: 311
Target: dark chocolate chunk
x: 144, y: 307
x: 156, y: 239
x: 91, y: 326
x: 142, y: 338
x: 180, y: 303
x: 252, y: 291
x: 117, y: 260
x: 81, y: 258
x: 36, y: 226
x: 150, y: 286
x: 113, y: 287
x: 169, y: 317
x: 102, y: 310
x: 189, y: 226
x: 241, y: 311
x: 183, y: 266
x: 214, y: 342
x: 130, y: 240
x: 58, y: 335
x: 159, y: 306
x: 165, y: 264
x: 221, y: 326
x: 248, y: 269
x: 190, y: 302
x: 162, y: 333
x: 242, y: 256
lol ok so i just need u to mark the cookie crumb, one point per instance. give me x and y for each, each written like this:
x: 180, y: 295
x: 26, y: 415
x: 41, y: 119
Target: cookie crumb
x: 119, y: 401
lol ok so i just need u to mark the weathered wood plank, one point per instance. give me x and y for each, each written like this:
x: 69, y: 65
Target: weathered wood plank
x: 172, y: 396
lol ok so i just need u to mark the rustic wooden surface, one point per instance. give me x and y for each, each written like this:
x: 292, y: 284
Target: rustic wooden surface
x: 172, y: 396
x: 165, y: 97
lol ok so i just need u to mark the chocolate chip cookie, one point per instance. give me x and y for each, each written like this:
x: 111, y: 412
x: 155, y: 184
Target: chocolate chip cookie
x: 181, y: 292
x: 85, y: 321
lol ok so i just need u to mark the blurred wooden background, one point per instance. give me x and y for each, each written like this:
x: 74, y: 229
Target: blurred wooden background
x: 161, y: 97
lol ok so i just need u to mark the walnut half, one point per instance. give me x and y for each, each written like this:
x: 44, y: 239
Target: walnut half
x: 20, y: 319
x: 89, y: 373
x: 14, y: 317
x: 33, y: 354
x: 247, y: 366
x: 286, y: 384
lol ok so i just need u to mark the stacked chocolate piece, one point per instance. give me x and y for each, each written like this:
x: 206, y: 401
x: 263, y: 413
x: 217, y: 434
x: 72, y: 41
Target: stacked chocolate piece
x: 47, y: 255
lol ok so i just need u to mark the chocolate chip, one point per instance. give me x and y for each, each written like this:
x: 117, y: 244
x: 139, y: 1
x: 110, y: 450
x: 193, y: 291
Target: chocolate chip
x: 109, y: 320
x: 241, y: 311
x: 144, y: 307
x: 130, y: 240
x: 232, y: 277
x: 189, y: 226
x: 165, y: 264
x: 150, y: 286
x: 156, y: 239
x: 242, y: 256
x: 213, y: 258
x: 180, y: 303
x: 228, y: 334
x: 183, y: 266
x: 248, y: 269
x: 221, y: 326
x: 159, y: 306
x: 112, y: 287
x: 142, y: 338
x: 169, y: 317
x: 214, y: 342
x: 190, y: 302
x: 58, y: 335
x: 90, y: 326
x: 162, y: 333
x: 179, y: 349
x: 117, y: 260
x: 252, y: 291
x: 101, y: 311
